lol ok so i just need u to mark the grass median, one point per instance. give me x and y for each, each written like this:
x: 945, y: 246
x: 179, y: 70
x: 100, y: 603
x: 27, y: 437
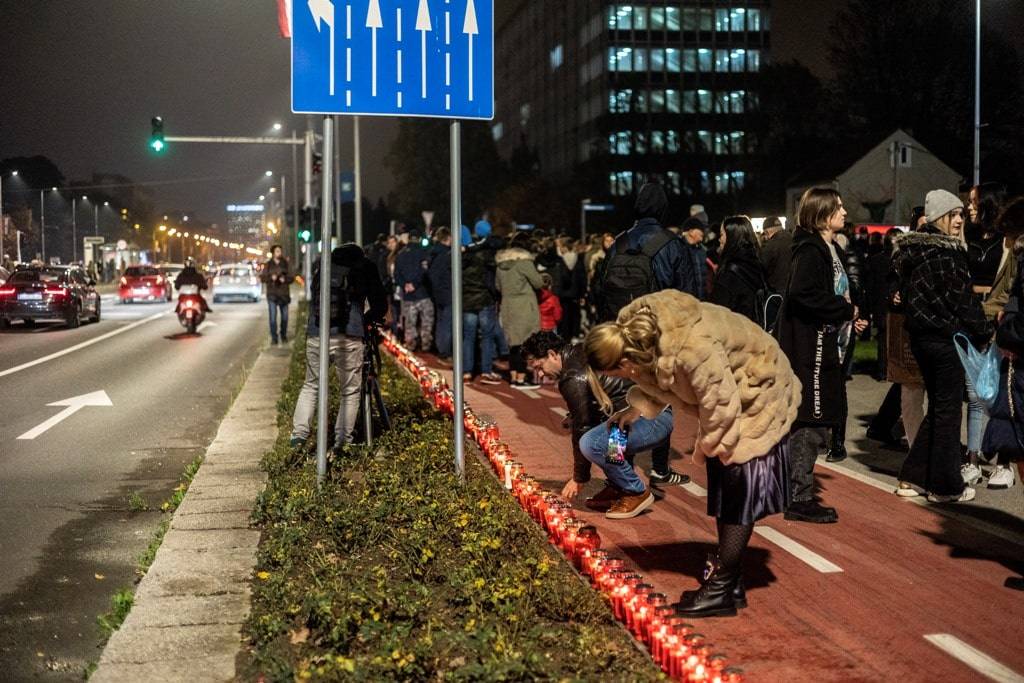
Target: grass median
x: 395, y: 571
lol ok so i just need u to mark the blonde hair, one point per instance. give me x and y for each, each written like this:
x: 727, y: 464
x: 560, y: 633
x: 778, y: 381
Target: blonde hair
x: 608, y: 344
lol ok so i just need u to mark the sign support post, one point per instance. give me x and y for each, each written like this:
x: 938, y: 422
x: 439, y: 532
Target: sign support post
x: 457, y: 369
x: 322, y: 419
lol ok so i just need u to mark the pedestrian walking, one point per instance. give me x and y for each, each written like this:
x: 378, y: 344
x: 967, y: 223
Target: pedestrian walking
x: 439, y: 277
x: 776, y: 253
x: 740, y: 284
x: 411, y: 279
x: 278, y: 279
x: 518, y: 281
x: 817, y: 315
x: 572, y: 289
x: 358, y: 299
x: 936, y: 295
x: 723, y: 371
x: 479, y: 312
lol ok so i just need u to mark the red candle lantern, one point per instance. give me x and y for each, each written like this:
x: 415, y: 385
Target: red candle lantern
x: 622, y: 592
x: 587, y: 538
x: 658, y: 627
x: 594, y: 561
x: 732, y: 674
x: 637, y: 603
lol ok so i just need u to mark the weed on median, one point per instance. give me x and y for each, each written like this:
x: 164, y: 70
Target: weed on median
x: 396, y: 571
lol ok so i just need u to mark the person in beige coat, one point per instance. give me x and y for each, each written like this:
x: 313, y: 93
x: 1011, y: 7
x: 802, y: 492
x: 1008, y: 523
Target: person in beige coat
x: 722, y: 371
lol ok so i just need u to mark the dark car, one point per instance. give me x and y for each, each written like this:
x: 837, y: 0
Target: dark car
x: 62, y: 293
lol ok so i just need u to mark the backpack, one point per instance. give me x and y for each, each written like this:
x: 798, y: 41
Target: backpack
x: 341, y: 294
x: 627, y: 274
x: 767, y: 304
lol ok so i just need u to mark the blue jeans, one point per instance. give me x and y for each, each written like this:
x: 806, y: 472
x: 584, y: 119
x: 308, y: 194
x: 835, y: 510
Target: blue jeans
x: 274, y: 307
x: 483, y: 321
x: 443, y: 331
x: 643, y: 435
x: 977, y: 420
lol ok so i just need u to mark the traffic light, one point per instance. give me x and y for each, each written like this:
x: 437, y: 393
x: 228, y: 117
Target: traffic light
x: 156, y: 138
x: 318, y: 163
x: 306, y: 235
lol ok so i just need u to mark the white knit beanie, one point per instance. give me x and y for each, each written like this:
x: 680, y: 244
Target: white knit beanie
x: 938, y: 203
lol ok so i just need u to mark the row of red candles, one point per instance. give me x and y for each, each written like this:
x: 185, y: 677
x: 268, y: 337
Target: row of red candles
x: 681, y: 652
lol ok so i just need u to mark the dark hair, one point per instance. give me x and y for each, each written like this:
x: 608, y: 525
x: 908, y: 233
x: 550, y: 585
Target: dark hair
x: 538, y: 344
x: 442, y: 233
x: 991, y: 198
x: 772, y: 222
x: 740, y: 238
x: 915, y: 216
x: 1011, y: 220
x: 816, y: 207
x: 276, y: 246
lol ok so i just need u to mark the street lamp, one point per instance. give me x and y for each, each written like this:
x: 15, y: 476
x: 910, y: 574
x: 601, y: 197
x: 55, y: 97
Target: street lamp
x: 268, y: 173
x: 277, y: 126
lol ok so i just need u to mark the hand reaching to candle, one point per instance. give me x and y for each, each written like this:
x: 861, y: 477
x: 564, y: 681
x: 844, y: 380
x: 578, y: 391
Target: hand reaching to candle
x: 625, y: 417
x: 570, y: 490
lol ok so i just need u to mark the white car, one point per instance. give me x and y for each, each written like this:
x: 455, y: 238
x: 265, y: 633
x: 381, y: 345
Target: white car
x: 237, y: 281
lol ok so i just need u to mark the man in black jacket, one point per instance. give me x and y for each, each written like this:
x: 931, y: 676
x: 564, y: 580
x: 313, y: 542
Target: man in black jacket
x: 439, y: 275
x: 546, y: 352
x: 358, y: 300
x: 278, y: 280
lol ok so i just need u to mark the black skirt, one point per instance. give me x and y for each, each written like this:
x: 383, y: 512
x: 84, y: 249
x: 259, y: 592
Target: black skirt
x: 743, y: 494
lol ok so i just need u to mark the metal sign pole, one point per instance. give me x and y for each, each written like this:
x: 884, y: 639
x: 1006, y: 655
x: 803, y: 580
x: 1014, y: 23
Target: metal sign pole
x: 337, y: 189
x: 323, y: 423
x: 358, y: 168
x: 456, y: 228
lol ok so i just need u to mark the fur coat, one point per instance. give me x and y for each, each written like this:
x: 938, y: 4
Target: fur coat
x: 721, y: 369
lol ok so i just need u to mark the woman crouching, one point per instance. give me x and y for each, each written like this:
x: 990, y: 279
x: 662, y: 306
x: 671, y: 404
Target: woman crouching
x: 724, y: 372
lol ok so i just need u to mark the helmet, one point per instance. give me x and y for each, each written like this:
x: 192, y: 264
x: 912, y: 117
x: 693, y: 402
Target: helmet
x: 190, y: 262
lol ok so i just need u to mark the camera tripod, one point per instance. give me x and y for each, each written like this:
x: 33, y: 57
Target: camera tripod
x: 370, y: 398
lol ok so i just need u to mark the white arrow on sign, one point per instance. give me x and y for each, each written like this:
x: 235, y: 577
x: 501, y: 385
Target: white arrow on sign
x: 96, y: 398
x: 374, y: 22
x: 323, y: 11
x: 423, y: 25
x: 470, y: 28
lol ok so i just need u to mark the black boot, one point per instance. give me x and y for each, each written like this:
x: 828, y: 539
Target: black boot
x: 836, y: 454
x: 713, y: 599
x: 739, y: 593
x: 811, y: 511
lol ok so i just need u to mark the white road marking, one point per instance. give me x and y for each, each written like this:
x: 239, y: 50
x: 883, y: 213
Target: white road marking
x: 976, y: 659
x: 530, y: 392
x: 560, y: 412
x: 77, y: 347
x: 695, y: 489
x: 799, y: 551
x: 71, y: 406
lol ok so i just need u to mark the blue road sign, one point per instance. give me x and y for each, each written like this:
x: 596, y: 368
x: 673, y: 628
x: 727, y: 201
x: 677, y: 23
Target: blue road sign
x: 347, y: 186
x: 394, y: 58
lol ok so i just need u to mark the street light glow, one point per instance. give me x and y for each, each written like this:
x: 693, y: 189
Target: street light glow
x: 185, y: 218
x: 14, y: 173
x: 277, y: 126
x: 106, y: 203
x: 262, y: 197
x: 269, y: 173
x: 54, y: 189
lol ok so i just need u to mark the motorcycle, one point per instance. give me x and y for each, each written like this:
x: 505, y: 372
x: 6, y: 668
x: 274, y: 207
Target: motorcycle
x: 191, y: 312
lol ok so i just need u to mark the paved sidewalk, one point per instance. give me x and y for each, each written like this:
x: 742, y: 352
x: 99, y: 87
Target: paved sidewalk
x: 189, y: 608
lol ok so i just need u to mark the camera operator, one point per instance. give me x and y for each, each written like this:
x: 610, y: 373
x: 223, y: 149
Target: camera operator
x: 358, y: 301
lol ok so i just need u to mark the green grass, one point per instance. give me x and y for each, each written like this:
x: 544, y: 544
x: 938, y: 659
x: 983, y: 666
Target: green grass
x: 136, y: 503
x: 120, y: 605
x: 396, y: 571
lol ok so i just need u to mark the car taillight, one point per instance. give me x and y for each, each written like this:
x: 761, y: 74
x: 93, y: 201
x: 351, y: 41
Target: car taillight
x: 253, y: 280
x: 56, y: 290
x: 159, y: 280
x: 7, y: 291
x: 124, y: 282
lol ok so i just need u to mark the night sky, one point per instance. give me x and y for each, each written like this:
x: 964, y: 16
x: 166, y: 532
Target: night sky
x: 80, y: 80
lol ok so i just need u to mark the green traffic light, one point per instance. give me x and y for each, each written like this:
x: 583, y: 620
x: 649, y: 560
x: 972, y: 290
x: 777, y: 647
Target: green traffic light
x: 157, y: 145
x: 305, y: 235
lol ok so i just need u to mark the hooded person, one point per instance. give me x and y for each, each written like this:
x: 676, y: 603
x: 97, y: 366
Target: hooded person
x: 644, y: 259
x: 518, y: 280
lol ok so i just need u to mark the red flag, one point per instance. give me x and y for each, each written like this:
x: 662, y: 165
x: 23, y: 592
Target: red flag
x: 284, y: 17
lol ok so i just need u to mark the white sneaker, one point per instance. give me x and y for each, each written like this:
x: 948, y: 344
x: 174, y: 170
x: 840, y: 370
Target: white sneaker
x: 971, y: 474
x: 967, y: 495
x: 906, y: 490
x: 1001, y: 477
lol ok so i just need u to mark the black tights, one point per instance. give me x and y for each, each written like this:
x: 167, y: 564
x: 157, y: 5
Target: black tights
x: 732, y: 541
x: 516, y: 361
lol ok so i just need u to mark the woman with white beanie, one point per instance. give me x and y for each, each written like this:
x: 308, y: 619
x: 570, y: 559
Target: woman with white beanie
x: 938, y: 301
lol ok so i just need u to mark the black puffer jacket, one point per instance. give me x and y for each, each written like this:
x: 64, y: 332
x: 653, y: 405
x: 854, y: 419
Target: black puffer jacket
x: 737, y: 283
x: 584, y: 411
x: 478, y: 277
x: 984, y: 254
x: 935, y: 287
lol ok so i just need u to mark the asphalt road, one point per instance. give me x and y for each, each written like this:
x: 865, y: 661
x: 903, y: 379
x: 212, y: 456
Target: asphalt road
x: 69, y: 535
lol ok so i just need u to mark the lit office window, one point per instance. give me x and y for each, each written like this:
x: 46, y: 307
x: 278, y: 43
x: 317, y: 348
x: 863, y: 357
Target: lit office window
x: 697, y: 60
x: 672, y: 182
x: 753, y: 20
x: 672, y: 60
x: 753, y: 101
x: 640, y: 101
x: 626, y: 17
x: 620, y: 183
x: 619, y: 101
x: 705, y: 182
x: 657, y: 142
x: 657, y: 101
x: 729, y: 143
x: 696, y: 101
x: 753, y: 60
x: 671, y: 141
x: 697, y: 19
x: 556, y: 57
x: 618, y: 143
x: 640, y: 142
x: 730, y: 102
x: 721, y: 61
x: 657, y: 59
x: 620, y: 59
x: 640, y: 59
x: 672, y: 101
x: 524, y: 114
x: 730, y: 181
x: 737, y: 60
x: 698, y: 141
x: 672, y: 18
x: 498, y: 131
x: 657, y: 19
x: 640, y: 18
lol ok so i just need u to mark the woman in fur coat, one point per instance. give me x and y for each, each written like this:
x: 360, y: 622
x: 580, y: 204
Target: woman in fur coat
x: 724, y: 372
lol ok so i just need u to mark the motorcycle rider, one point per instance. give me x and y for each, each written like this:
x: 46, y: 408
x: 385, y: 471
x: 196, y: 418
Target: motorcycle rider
x: 189, y: 276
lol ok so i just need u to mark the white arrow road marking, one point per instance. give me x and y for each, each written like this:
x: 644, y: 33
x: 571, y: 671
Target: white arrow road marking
x: 373, y: 22
x: 76, y: 347
x: 96, y: 398
x: 323, y: 11
x: 802, y: 553
x: 423, y: 25
x: 974, y: 658
x: 470, y: 28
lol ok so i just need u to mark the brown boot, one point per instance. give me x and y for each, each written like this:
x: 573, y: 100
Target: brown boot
x: 605, y: 498
x: 631, y: 505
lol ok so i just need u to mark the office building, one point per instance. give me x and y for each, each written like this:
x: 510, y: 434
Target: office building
x: 611, y: 94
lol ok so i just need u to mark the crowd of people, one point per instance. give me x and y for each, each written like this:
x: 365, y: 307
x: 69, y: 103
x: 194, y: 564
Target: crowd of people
x: 748, y: 337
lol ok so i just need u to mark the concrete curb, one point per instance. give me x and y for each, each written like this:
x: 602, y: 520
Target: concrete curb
x: 186, y: 621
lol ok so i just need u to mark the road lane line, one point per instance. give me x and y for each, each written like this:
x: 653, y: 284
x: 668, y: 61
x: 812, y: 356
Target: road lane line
x: 695, y: 489
x: 530, y: 392
x: 974, y: 658
x: 802, y: 553
x: 77, y: 347
x: 560, y: 412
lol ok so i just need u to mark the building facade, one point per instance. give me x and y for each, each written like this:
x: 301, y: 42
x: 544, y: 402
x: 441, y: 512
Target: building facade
x: 613, y: 94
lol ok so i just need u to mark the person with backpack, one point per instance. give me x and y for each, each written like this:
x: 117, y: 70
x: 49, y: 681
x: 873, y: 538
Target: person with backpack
x: 644, y: 259
x: 358, y: 300
x: 740, y: 284
x: 417, y: 308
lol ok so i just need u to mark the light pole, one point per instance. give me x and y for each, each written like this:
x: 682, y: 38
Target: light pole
x: 583, y: 218
x: 42, y: 225
x: 977, y: 93
x: 3, y: 223
x: 74, y: 229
